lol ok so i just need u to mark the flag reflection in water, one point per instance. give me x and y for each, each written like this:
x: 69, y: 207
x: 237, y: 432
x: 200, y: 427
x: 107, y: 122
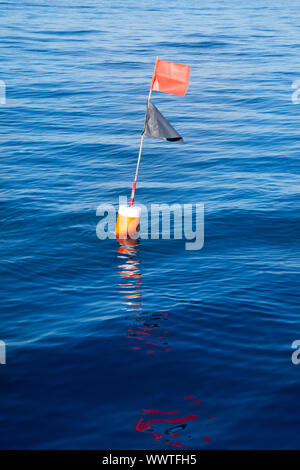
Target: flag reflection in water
x: 147, y: 331
x: 171, y: 427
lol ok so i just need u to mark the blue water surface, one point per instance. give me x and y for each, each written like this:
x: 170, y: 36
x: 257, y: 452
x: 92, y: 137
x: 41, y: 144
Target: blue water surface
x: 149, y: 346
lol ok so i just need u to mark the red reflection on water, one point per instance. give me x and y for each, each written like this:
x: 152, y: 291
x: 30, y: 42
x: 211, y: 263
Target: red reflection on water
x: 180, y: 422
x: 155, y: 425
x: 150, y: 332
x: 159, y: 412
x: 177, y: 444
x: 142, y: 426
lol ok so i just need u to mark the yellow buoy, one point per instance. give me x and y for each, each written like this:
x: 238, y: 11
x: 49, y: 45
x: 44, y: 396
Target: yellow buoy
x: 128, y: 222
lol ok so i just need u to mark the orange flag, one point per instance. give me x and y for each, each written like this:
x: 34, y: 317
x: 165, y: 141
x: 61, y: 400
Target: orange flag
x: 170, y: 77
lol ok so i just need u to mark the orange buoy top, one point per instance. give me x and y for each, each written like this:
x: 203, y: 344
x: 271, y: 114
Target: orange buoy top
x: 128, y: 221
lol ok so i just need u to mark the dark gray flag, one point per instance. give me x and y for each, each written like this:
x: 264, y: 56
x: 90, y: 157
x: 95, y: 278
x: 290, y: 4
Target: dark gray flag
x: 157, y: 126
